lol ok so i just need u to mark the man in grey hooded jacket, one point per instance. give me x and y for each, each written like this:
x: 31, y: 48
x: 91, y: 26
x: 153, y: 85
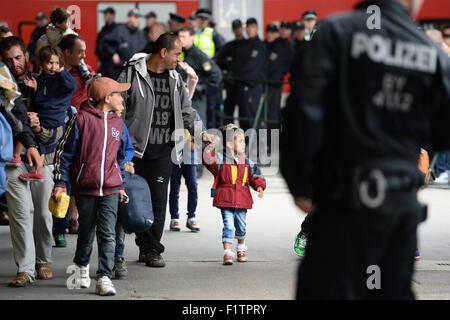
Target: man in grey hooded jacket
x: 158, y: 109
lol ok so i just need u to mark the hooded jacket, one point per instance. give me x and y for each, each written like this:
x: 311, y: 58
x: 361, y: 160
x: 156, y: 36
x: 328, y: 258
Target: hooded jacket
x: 91, y: 154
x: 139, y: 105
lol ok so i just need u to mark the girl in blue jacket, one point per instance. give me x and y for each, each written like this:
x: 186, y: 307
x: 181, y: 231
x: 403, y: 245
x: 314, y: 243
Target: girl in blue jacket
x: 54, y: 88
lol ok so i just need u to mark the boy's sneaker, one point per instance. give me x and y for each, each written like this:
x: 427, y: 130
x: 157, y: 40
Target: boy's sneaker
x: 105, y: 287
x: 120, y: 268
x: 15, y: 162
x: 417, y: 255
x: 242, y: 256
x: 300, y: 244
x: 191, y: 223
x: 32, y: 176
x: 228, y: 259
x: 174, y: 225
x: 443, y: 178
x: 60, y: 240
x: 73, y: 226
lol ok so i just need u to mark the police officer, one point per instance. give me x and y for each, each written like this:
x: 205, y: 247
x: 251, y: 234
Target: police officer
x: 374, y: 96
x: 285, y: 30
x: 176, y: 22
x: 150, y: 20
x: 225, y: 59
x: 280, y: 55
x: 309, y: 18
x: 208, y: 72
x: 105, y: 49
x: 250, y: 65
x: 127, y: 39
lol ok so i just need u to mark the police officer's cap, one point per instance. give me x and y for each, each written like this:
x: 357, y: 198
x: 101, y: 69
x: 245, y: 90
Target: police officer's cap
x: 204, y: 13
x: 298, y: 25
x: 251, y: 21
x: 151, y: 14
x: 309, y: 14
x: 176, y: 17
x: 285, y: 24
x: 109, y: 10
x: 272, y: 28
x: 134, y: 12
x: 41, y: 16
x: 237, y: 23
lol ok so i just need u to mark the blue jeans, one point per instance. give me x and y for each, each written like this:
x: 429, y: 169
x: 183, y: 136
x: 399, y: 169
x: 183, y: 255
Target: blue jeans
x: 120, y: 239
x: 443, y: 161
x: 97, y: 213
x: 233, y: 219
x: 189, y: 173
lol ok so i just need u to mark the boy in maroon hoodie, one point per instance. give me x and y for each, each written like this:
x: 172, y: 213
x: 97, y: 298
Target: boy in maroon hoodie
x: 91, y: 158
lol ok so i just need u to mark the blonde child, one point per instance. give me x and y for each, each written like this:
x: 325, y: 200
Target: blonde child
x: 234, y: 174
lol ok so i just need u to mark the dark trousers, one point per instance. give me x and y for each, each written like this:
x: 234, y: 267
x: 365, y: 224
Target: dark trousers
x: 157, y: 173
x: 200, y: 103
x: 97, y: 215
x: 345, y: 243
x: 230, y: 102
x: 212, y: 106
x: 248, y: 101
x: 306, y: 227
x: 3, y: 204
x: 189, y: 172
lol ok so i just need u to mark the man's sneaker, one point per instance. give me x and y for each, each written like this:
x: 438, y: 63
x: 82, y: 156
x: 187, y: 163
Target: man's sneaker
x: 417, y: 255
x: 443, y: 178
x: 154, y: 259
x: 191, y: 223
x: 32, y: 176
x: 73, y: 226
x: 174, y: 225
x: 15, y: 162
x: 105, y: 287
x: 242, y: 256
x: 300, y: 244
x: 60, y: 240
x: 228, y: 259
x: 120, y: 268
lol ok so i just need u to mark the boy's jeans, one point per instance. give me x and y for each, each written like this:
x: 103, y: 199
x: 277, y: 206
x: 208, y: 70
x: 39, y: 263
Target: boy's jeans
x: 100, y: 212
x: 233, y: 218
x: 189, y: 173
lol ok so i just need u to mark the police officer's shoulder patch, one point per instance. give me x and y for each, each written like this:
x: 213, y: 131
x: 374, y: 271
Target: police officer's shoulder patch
x: 273, y: 56
x: 254, y: 53
x: 207, y: 66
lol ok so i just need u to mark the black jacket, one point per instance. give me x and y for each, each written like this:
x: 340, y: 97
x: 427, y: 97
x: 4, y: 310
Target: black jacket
x: 280, y: 57
x: 208, y: 72
x: 126, y: 41
x: 365, y: 95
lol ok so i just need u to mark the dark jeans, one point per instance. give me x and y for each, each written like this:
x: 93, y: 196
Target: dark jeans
x: 120, y: 239
x: 157, y: 173
x: 443, y: 162
x: 3, y: 204
x: 189, y: 173
x: 345, y: 243
x: 97, y: 213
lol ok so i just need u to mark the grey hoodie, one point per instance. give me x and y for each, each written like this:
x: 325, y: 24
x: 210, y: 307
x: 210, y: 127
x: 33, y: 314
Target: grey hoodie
x: 139, y: 106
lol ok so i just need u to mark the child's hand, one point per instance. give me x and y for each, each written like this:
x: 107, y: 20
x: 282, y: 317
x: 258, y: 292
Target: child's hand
x: 61, y: 68
x: 261, y: 192
x: 188, y: 69
x: 56, y: 191
x: 129, y: 166
x: 30, y: 82
x: 123, y: 197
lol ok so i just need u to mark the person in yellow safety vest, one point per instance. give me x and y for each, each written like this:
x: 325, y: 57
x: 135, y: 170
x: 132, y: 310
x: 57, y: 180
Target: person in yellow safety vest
x: 206, y: 38
x: 309, y: 18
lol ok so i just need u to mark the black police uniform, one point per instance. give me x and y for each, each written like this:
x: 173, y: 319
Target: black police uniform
x: 105, y: 49
x: 126, y: 41
x: 280, y: 57
x: 250, y: 62
x: 209, y: 76
x: 366, y: 102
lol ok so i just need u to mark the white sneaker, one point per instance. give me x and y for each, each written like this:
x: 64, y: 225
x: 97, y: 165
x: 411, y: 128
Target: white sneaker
x: 85, y: 280
x: 443, y: 178
x: 105, y: 287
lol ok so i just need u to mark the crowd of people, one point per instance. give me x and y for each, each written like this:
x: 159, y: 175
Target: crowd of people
x: 145, y: 111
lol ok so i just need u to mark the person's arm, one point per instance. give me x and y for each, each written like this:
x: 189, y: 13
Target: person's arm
x: 26, y: 137
x: 67, y: 83
x: 214, y: 75
x: 256, y: 179
x: 66, y: 153
x: 302, y: 138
